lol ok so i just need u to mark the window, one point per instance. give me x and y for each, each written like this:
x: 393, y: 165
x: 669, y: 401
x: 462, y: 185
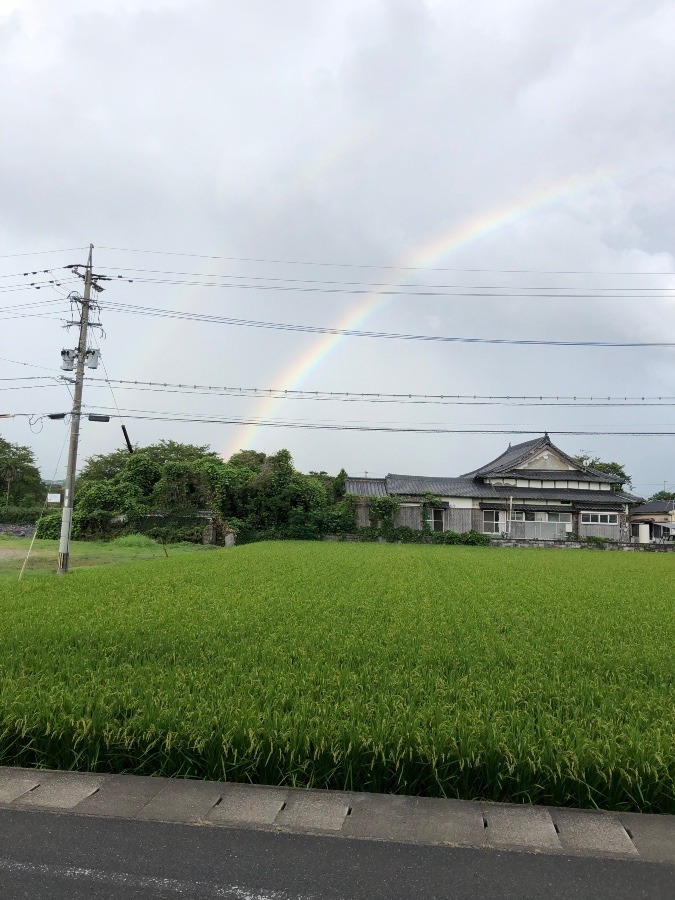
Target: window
x: 528, y: 516
x: 598, y: 518
x: 491, y: 521
x: 560, y: 517
x: 437, y: 520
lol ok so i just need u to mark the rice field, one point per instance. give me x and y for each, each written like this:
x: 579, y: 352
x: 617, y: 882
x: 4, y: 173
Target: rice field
x: 516, y: 675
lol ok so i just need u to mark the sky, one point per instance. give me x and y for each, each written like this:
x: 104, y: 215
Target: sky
x: 431, y: 169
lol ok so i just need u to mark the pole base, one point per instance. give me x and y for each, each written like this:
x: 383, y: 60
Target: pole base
x: 63, y: 564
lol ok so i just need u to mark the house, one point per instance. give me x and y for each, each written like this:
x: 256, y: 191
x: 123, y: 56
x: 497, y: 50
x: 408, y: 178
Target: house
x: 533, y: 490
x: 653, y: 521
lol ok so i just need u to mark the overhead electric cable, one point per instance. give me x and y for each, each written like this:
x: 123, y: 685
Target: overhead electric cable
x: 364, y: 284
x: 390, y: 291
x: 291, y: 391
x: 40, y: 252
x: 159, y: 417
x: 19, y: 362
x: 296, y: 262
x: 409, y: 399
x: 350, y: 332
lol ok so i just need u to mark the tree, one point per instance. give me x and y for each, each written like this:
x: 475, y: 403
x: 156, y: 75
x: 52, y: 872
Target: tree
x: 663, y: 495
x: 110, y: 465
x: 167, y: 474
x: 248, y: 459
x: 607, y: 468
x: 20, y: 478
x: 258, y: 494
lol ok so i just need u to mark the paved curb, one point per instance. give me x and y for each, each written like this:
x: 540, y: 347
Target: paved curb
x: 384, y: 817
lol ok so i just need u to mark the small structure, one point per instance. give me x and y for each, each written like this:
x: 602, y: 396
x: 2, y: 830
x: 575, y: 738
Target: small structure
x: 533, y: 490
x: 653, y: 521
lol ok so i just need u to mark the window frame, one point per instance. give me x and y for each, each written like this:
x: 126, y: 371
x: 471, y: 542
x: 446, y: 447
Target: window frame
x: 496, y: 521
x: 610, y: 518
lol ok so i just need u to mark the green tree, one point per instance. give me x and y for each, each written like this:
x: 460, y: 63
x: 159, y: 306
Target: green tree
x: 340, y: 485
x: 607, y: 468
x: 19, y: 476
x: 663, y: 495
x: 248, y: 459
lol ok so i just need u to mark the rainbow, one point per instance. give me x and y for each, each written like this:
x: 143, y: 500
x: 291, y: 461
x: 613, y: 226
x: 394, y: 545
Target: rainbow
x: 422, y: 257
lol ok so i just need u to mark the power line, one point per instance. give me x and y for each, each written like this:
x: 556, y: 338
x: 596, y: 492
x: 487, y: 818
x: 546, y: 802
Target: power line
x: 290, y: 393
x: 350, y: 332
x: 33, y: 305
x: 24, y: 274
x: 372, y: 397
x: 324, y: 426
x: 40, y: 252
x: 19, y: 362
x: 35, y: 285
x: 361, y: 397
x: 391, y: 290
x: 364, y: 284
x: 295, y: 262
x: 33, y: 316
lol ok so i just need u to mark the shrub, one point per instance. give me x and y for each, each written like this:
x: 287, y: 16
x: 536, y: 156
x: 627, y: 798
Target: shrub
x: 135, y: 540
x: 475, y: 539
x: 20, y: 515
x: 50, y: 527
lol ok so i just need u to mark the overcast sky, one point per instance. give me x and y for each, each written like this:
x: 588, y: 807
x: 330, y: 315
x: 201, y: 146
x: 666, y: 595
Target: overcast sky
x: 482, y: 152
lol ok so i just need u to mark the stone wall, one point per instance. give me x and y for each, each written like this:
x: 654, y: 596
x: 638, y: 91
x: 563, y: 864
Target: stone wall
x: 582, y: 545
x: 18, y: 530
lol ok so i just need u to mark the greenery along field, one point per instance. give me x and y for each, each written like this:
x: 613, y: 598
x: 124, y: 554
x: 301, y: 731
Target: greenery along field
x: 44, y: 556
x: 522, y: 675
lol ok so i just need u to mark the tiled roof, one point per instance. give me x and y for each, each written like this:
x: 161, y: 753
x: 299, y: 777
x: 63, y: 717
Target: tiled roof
x: 366, y: 487
x: 562, y: 475
x: 415, y: 485
x: 586, y: 497
x: 511, y: 457
x: 512, y: 460
x: 440, y: 487
x: 654, y: 506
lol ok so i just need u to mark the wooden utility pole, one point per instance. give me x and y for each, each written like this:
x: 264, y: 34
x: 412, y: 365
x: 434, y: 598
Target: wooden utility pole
x: 67, y: 516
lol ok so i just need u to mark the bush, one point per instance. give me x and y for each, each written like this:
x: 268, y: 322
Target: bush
x: 475, y: 539
x: 405, y: 535
x: 176, y: 534
x: 135, y: 540
x: 20, y: 515
x: 50, y: 527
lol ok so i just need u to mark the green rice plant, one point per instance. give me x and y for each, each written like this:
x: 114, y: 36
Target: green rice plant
x: 536, y: 676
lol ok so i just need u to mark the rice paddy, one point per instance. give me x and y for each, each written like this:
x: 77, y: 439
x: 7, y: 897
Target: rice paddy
x: 514, y: 675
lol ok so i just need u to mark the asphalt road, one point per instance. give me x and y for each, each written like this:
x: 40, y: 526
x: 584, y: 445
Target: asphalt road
x: 67, y: 857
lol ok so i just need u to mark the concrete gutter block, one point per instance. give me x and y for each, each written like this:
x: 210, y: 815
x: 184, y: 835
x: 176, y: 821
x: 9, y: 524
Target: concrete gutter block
x: 528, y: 827
x: 593, y: 832
x: 245, y: 804
x: 121, y: 796
x: 314, y: 810
x: 653, y: 835
x: 62, y: 790
x: 182, y: 800
x: 16, y: 782
x: 424, y: 820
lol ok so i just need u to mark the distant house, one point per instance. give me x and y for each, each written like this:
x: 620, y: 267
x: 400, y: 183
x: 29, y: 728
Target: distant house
x: 657, y: 518
x: 534, y: 490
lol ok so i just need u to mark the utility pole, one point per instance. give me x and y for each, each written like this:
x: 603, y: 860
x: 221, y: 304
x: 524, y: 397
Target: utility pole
x: 67, y: 517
